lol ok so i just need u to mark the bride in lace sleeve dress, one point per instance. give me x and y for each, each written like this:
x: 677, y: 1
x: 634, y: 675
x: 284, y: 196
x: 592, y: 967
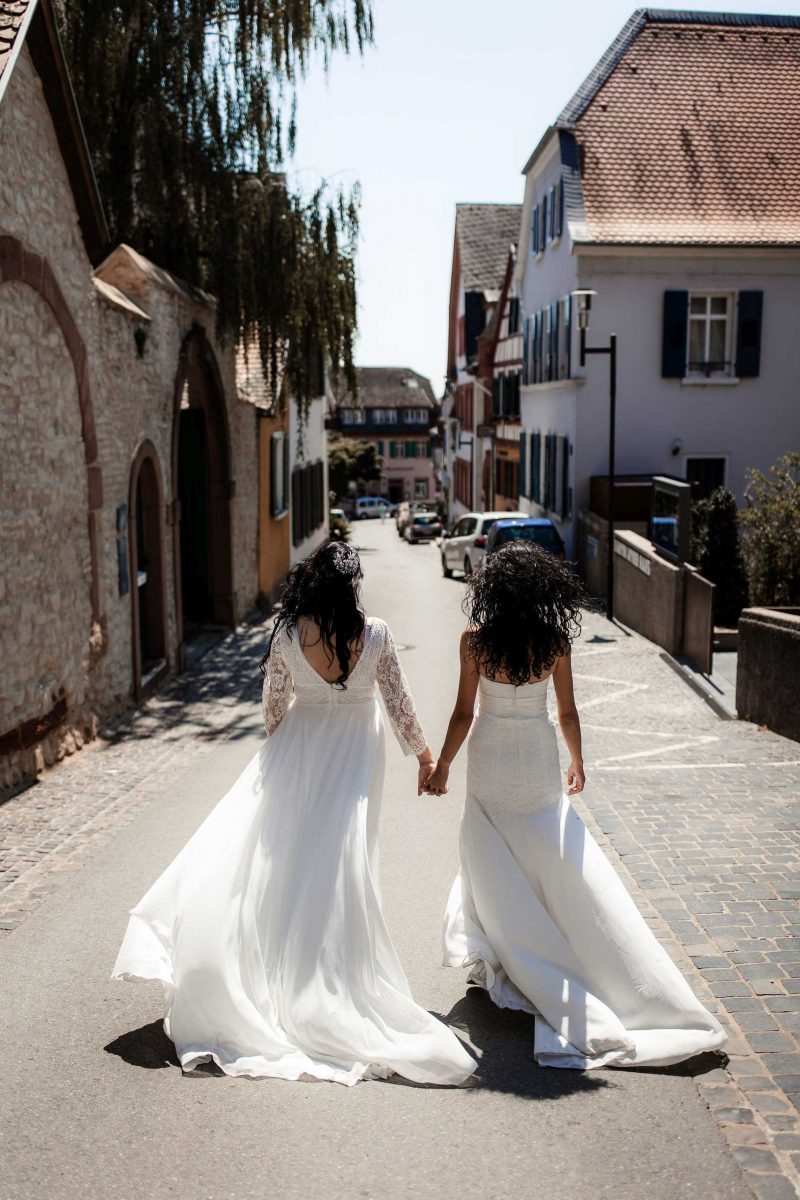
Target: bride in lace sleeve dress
x: 537, y: 913
x: 266, y: 931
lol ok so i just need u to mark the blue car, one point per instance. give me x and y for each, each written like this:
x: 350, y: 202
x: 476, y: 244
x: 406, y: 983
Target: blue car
x: 526, y: 529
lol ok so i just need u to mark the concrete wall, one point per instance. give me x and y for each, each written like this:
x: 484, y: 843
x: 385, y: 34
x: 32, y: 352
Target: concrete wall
x: 768, y: 669
x: 591, y: 548
x: 648, y: 591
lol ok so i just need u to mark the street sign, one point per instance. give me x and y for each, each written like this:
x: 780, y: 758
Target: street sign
x: 485, y: 431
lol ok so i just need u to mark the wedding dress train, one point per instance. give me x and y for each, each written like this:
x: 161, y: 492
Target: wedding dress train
x: 266, y: 931
x: 541, y: 917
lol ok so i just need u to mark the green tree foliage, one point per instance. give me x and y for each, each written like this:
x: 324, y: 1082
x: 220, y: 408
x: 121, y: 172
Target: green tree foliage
x: 716, y: 552
x: 349, y: 459
x: 185, y: 107
x: 772, y: 524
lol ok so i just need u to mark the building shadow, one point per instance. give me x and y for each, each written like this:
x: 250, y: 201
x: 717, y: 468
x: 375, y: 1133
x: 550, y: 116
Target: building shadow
x: 504, y: 1039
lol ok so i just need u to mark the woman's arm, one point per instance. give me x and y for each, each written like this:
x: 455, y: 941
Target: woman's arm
x: 460, y: 721
x: 400, y: 707
x: 570, y: 723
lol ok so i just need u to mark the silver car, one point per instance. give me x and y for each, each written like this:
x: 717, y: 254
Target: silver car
x: 463, y: 549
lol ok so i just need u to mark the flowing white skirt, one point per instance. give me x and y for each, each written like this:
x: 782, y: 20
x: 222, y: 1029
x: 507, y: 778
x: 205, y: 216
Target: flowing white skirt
x: 544, y: 923
x: 267, y: 931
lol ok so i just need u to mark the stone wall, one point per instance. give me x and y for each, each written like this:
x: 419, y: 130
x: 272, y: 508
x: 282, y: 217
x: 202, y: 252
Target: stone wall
x: 768, y: 669
x: 89, y: 375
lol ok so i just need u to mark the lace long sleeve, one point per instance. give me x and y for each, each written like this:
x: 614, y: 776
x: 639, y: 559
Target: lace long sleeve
x: 397, y: 698
x: 277, y: 691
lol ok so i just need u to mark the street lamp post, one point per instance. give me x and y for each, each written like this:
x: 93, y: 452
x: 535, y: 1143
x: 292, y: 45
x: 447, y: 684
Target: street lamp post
x: 584, y: 298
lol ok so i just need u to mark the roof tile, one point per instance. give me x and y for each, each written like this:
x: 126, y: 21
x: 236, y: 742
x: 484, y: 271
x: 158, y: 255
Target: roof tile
x: 485, y: 232
x: 694, y: 136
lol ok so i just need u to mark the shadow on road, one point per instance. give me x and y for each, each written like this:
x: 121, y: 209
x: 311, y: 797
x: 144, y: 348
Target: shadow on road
x: 505, y: 1041
x: 147, y: 1047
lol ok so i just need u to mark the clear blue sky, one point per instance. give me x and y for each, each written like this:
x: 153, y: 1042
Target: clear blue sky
x: 445, y: 107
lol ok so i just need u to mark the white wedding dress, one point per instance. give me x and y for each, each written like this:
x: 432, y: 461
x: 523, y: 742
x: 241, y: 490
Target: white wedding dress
x: 541, y: 917
x: 266, y: 931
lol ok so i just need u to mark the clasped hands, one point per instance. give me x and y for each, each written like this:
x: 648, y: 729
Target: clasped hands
x: 432, y: 778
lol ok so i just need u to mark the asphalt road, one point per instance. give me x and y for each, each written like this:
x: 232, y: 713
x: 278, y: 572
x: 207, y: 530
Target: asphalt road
x: 94, y: 1105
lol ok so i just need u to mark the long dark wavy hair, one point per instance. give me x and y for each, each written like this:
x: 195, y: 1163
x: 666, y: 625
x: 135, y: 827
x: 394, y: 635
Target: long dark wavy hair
x: 524, y: 611
x: 326, y: 587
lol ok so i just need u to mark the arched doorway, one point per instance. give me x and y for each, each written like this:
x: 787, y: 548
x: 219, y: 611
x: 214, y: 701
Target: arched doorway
x: 202, y: 496
x: 146, y: 548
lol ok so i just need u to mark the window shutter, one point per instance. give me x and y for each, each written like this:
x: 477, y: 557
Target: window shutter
x: 297, y: 506
x: 523, y: 438
x: 535, y: 230
x: 748, y: 334
x: 564, y: 506
x: 674, y: 331
x: 543, y: 223
x: 559, y: 208
x: 567, y: 337
x: 551, y: 213
x: 536, y: 467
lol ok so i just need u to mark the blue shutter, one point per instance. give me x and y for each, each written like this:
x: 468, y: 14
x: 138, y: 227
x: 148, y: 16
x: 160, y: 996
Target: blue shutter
x: 551, y: 213
x: 674, y: 333
x: 523, y: 438
x: 536, y: 467
x: 535, y: 230
x: 559, y: 208
x: 748, y: 334
x: 543, y: 223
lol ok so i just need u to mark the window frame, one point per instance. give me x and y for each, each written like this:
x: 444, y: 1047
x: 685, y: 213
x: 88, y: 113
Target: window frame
x: 709, y: 368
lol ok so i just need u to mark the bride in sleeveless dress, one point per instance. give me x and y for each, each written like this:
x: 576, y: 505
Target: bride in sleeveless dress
x: 266, y: 931
x: 537, y: 913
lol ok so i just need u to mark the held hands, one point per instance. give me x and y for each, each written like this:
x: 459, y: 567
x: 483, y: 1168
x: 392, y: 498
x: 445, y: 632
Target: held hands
x: 432, y: 777
x: 436, y: 784
x: 576, y: 779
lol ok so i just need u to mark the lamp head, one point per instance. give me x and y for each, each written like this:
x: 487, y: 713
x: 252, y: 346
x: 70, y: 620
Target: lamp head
x: 584, y: 299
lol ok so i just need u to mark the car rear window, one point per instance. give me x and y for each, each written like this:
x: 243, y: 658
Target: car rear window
x: 426, y: 519
x: 543, y: 535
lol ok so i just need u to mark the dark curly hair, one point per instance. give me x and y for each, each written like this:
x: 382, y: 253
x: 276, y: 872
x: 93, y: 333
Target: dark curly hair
x: 326, y: 587
x: 524, y: 611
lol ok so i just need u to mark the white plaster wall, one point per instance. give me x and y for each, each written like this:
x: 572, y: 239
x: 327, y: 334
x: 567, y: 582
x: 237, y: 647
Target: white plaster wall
x: 751, y: 422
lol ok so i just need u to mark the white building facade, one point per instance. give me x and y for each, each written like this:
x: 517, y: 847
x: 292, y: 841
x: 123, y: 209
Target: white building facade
x: 694, y: 259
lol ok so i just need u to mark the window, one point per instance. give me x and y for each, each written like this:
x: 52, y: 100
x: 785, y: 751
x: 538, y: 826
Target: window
x: 535, y: 223
x: 384, y: 416
x: 461, y: 345
x: 395, y: 449
x: 279, y: 474
x: 551, y: 213
x: 710, y: 334
x: 513, y: 315
x: 420, y: 489
x: 415, y: 416
x: 353, y: 416
x: 543, y: 224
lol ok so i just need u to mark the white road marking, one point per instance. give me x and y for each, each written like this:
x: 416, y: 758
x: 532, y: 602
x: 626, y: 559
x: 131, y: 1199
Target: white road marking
x: 703, y: 766
x: 658, y: 750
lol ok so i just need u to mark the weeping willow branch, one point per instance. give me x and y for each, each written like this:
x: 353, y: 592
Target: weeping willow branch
x: 189, y: 111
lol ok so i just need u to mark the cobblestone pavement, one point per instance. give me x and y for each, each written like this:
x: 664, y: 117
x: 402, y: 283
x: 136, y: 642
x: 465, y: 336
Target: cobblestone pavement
x: 700, y: 815
x: 52, y: 826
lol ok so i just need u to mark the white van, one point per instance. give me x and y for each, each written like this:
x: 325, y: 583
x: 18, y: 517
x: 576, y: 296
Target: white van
x: 370, y: 506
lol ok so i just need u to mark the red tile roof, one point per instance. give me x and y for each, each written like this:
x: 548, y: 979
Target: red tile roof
x: 13, y: 14
x: 688, y: 132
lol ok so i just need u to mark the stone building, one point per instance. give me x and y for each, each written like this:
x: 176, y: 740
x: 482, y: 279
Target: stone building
x: 131, y: 490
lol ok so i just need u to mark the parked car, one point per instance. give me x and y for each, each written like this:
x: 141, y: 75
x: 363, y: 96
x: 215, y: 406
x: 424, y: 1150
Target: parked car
x: 338, y: 526
x: 526, y: 529
x: 464, y: 547
x: 405, y: 511
x: 371, y: 506
x: 422, y: 527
